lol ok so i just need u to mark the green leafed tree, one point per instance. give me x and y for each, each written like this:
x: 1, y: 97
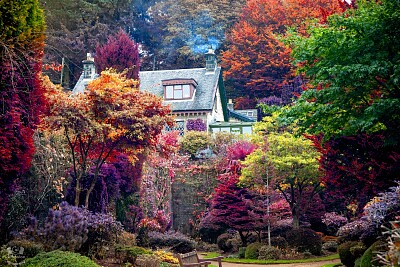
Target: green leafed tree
x: 353, y: 64
x: 290, y: 164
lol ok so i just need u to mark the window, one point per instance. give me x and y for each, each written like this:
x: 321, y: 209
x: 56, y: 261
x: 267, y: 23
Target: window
x: 179, y: 126
x: 179, y: 88
x: 178, y: 91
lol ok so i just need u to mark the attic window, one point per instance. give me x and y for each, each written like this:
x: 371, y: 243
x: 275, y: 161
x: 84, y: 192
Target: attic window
x: 179, y: 89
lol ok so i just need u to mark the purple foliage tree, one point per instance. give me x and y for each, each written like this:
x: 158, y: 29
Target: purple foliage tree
x: 120, y: 53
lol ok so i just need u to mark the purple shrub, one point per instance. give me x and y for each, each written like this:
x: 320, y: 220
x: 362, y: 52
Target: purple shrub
x: 73, y: 229
x: 333, y: 221
x: 196, y: 125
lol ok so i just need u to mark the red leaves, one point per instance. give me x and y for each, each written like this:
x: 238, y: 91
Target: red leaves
x: 120, y: 53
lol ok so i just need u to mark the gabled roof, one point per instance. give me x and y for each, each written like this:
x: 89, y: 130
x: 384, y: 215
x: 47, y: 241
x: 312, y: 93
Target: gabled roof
x: 207, y: 84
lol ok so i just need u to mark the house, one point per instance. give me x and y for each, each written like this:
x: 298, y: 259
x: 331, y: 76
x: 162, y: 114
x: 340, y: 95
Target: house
x: 196, y: 93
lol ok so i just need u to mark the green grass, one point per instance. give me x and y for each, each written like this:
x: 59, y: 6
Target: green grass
x: 330, y: 257
x: 208, y: 255
x: 332, y: 265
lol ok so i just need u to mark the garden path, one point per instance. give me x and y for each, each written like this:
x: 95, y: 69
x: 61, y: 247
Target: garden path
x: 306, y: 264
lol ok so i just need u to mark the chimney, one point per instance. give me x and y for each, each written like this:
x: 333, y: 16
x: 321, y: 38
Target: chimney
x: 211, y: 60
x: 88, y: 67
x: 230, y: 104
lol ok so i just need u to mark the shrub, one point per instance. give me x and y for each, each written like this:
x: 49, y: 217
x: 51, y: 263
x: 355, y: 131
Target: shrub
x: 222, y: 242
x: 194, y: 141
x: 175, y: 241
x: 6, y: 258
x: 75, y: 229
x: 242, y: 252
x: 360, y: 229
x: 126, y: 239
x: 368, y: 258
x: 146, y: 260
x: 281, y: 227
x: 304, y: 239
x: 31, y: 249
x: 346, y: 257
x: 279, y: 241
x: 330, y: 246
x: 392, y: 255
x: 252, y: 250
x: 130, y: 254
x: 59, y: 258
x: 166, y: 257
x: 333, y: 221
x: 269, y: 253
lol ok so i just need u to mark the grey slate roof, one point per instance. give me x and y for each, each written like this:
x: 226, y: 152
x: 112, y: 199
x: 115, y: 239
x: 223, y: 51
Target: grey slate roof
x: 151, y: 81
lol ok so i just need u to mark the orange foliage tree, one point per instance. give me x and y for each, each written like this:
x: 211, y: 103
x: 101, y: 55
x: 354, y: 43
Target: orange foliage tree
x: 256, y: 61
x: 112, y: 116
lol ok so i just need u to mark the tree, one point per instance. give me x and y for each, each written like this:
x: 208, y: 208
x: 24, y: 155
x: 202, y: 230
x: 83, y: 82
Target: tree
x: 230, y: 208
x: 352, y: 101
x: 256, y: 59
x: 75, y: 27
x: 113, y: 115
x: 21, y: 92
x: 290, y: 164
x: 353, y: 65
x: 188, y: 27
x: 120, y: 53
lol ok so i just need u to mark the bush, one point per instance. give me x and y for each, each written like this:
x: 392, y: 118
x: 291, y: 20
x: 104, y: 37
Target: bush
x: 31, y: 249
x: 281, y: 227
x: 59, y: 258
x: 279, y: 241
x: 130, y: 254
x: 344, y: 250
x: 166, y: 257
x: 252, y: 250
x: 194, y: 141
x: 75, y: 229
x: 361, y: 229
x: 6, y: 258
x: 333, y: 221
x: 367, y: 259
x: 177, y: 242
x: 242, y: 252
x: 304, y: 239
x: 330, y: 246
x: 146, y: 260
x: 269, y: 253
x: 222, y: 242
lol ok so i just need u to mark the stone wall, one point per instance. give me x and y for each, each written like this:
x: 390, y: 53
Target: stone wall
x: 189, y: 193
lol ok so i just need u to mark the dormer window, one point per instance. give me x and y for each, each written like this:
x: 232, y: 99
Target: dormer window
x: 179, y: 89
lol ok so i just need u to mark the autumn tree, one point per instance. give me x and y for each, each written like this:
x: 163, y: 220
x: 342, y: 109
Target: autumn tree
x: 120, y: 53
x: 113, y: 115
x: 256, y: 59
x: 21, y: 51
